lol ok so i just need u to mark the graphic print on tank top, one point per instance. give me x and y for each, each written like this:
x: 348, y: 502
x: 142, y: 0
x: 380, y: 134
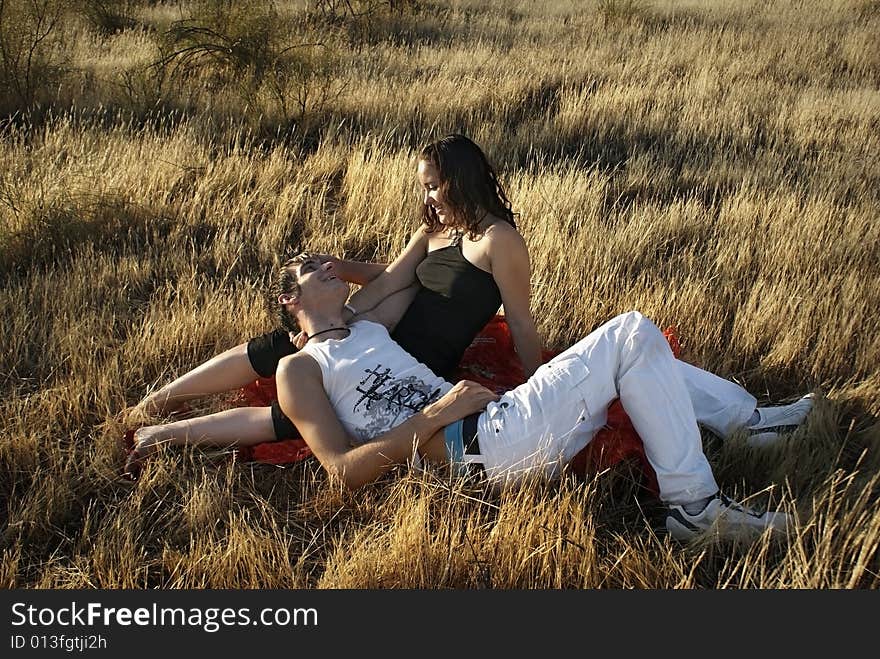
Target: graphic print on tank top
x: 386, y: 401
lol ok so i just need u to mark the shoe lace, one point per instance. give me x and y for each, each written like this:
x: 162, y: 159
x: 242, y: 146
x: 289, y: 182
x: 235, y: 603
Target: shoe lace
x: 730, y: 503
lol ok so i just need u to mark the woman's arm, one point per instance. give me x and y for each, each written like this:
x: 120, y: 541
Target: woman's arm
x: 388, y: 313
x: 509, y: 259
x: 356, y: 272
x: 390, y: 310
x: 400, y: 274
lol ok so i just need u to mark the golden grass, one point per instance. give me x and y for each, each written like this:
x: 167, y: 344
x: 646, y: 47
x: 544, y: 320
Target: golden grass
x: 713, y: 165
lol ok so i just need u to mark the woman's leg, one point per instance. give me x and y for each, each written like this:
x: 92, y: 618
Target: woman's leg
x: 241, y: 426
x: 229, y: 370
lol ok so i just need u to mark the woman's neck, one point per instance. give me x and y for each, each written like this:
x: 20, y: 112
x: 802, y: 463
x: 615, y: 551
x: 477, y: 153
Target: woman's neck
x: 456, y: 232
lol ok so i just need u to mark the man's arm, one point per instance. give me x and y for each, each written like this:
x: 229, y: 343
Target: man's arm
x: 303, y: 399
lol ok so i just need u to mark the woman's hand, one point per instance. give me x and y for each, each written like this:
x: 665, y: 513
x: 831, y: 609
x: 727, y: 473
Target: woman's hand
x: 298, y: 339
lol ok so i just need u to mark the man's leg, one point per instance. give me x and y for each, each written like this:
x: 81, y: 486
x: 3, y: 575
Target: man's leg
x: 651, y: 391
x: 632, y: 353
x: 724, y: 407
x: 629, y: 358
x: 556, y: 412
x: 720, y: 405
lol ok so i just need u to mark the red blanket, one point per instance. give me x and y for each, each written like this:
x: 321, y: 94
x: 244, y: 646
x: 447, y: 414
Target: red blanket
x: 491, y: 361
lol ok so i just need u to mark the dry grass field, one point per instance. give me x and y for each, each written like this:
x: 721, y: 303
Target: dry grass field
x: 715, y: 165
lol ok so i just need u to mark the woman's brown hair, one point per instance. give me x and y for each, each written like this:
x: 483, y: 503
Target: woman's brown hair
x: 468, y: 182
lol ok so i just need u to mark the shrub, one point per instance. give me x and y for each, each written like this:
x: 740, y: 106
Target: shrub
x: 31, y: 63
x: 249, y: 47
x: 108, y: 16
x: 341, y: 10
x: 620, y: 11
x: 867, y: 9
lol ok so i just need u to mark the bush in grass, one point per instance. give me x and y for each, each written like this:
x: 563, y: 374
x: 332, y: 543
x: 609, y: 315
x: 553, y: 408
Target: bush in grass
x: 249, y: 47
x: 31, y: 59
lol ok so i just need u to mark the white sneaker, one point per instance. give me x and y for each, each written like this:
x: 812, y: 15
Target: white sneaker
x: 773, y: 421
x: 725, y: 518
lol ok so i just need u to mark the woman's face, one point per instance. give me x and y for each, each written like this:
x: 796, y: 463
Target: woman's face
x: 429, y: 179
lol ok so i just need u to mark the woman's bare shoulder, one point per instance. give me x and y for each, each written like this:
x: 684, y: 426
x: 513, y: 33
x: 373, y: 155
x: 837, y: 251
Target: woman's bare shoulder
x: 503, y: 234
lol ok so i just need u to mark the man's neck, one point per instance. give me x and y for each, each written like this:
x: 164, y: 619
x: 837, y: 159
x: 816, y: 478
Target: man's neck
x: 314, y: 322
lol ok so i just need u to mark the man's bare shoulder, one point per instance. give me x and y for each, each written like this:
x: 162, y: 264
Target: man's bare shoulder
x: 300, y: 364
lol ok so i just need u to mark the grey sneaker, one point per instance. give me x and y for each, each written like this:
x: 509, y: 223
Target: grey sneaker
x: 725, y: 518
x: 774, y: 421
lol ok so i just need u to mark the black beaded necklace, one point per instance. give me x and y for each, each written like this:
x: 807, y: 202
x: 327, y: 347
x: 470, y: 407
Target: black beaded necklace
x: 332, y: 329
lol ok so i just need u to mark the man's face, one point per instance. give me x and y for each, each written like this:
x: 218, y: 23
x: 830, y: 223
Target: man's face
x: 319, y: 284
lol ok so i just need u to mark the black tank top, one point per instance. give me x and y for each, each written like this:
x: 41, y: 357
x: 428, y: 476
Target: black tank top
x: 454, y: 303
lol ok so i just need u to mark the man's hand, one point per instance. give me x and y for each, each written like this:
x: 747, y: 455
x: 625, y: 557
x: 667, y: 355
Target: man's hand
x: 465, y: 398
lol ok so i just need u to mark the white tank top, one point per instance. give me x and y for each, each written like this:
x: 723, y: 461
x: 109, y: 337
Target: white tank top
x: 373, y: 384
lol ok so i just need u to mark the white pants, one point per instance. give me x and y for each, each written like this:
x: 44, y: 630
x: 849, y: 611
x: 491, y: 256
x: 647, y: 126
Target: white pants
x: 537, y: 428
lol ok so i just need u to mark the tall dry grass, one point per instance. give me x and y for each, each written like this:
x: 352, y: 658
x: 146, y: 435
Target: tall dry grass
x: 714, y: 165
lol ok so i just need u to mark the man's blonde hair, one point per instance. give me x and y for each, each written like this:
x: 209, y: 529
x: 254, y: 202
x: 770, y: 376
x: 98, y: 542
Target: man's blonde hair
x: 286, y: 284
